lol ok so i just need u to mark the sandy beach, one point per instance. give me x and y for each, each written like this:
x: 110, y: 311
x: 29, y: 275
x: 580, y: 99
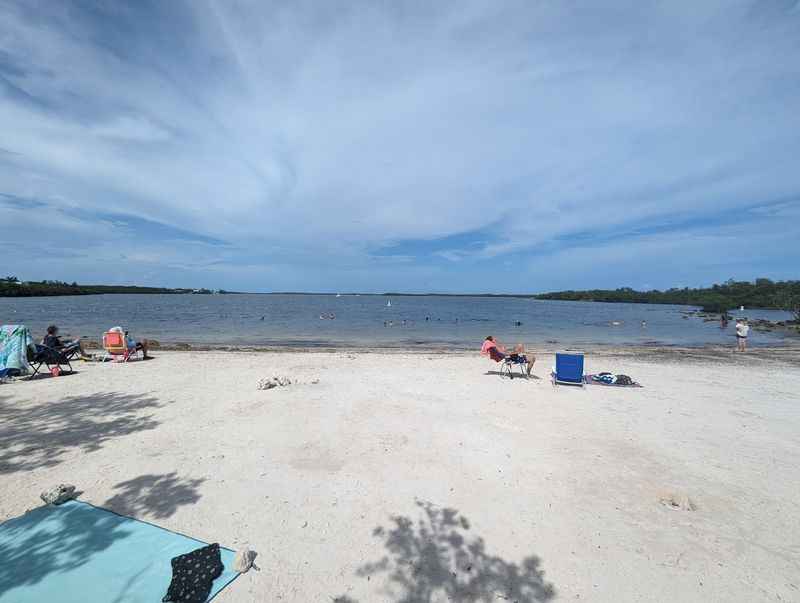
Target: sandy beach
x: 387, y: 477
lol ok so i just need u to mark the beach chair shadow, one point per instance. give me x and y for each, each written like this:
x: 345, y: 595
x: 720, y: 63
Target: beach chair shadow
x: 504, y: 373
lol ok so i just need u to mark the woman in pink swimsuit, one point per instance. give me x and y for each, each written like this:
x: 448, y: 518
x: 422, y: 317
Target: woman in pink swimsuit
x: 494, y: 350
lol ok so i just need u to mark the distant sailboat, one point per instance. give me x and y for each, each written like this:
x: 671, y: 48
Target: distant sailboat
x: 389, y: 304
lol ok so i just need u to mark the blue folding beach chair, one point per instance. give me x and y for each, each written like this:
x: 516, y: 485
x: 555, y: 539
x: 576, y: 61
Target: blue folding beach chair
x: 569, y: 369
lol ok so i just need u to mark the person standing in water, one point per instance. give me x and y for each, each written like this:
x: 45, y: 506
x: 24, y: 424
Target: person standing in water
x: 742, y: 330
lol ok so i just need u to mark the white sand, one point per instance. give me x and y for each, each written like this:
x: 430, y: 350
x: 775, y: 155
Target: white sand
x: 304, y: 474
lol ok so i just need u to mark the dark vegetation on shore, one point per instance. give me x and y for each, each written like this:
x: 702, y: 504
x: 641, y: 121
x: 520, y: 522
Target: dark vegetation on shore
x: 762, y: 293
x: 11, y: 286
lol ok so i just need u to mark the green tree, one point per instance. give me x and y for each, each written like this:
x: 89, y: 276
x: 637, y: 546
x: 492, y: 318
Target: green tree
x: 790, y: 301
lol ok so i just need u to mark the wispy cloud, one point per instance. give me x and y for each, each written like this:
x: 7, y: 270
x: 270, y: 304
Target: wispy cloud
x: 314, y: 139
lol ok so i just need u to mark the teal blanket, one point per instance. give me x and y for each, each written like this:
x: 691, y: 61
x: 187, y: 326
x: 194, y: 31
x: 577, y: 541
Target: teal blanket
x: 15, y: 340
x: 79, y: 553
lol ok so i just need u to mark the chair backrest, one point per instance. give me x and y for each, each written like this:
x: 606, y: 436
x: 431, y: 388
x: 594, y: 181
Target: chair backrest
x: 569, y: 367
x: 114, y: 342
x: 44, y: 352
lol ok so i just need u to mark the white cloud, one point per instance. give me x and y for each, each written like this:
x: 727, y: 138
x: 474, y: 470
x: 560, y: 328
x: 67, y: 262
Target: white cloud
x: 325, y: 131
x: 132, y: 129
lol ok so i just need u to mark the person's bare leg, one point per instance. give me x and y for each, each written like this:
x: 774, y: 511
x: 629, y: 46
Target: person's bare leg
x: 81, y: 350
x: 144, y: 348
x: 531, y: 361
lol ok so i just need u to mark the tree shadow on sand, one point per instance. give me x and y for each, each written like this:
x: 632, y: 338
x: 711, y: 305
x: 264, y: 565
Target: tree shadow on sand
x: 435, y: 560
x: 31, y: 554
x: 32, y: 547
x: 41, y: 434
x: 156, y: 495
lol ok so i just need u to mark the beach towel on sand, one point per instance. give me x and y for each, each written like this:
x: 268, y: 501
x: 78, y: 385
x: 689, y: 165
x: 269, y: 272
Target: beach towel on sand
x: 78, y: 553
x: 610, y: 379
x: 15, y: 340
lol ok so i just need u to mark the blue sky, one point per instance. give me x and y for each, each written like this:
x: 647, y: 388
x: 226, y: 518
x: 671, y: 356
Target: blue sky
x: 372, y: 146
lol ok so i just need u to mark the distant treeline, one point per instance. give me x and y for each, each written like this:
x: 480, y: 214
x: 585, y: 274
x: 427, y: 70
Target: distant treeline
x: 11, y: 286
x: 762, y: 293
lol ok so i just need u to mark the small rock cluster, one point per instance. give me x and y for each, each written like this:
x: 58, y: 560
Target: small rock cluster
x: 58, y: 494
x: 271, y: 382
x: 244, y: 560
x: 678, y: 501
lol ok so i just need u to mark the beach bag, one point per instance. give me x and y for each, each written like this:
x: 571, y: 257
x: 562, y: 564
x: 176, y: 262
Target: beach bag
x: 624, y: 380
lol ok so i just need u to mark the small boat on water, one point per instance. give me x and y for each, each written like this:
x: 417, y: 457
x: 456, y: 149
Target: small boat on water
x: 338, y: 295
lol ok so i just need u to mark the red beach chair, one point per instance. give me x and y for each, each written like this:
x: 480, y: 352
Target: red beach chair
x: 116, y: 346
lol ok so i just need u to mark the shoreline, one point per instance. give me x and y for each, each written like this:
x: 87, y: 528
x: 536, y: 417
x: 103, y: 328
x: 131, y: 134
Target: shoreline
x: 425, y: 348
x: 707, y: 354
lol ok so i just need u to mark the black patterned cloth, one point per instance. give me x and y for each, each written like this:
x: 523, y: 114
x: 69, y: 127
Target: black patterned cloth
x: 193, y: 575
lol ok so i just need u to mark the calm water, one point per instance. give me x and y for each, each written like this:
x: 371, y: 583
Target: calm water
x: 460, y: 322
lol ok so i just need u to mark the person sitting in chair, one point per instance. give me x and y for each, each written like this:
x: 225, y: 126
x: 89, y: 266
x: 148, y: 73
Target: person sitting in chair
x: 497, y: 352
x: 69, y: 348
x: 131, y: 343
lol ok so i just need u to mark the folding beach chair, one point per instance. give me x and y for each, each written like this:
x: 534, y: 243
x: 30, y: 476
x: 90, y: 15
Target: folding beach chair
x: 49, y: 357
x: 507, y: 367
x: 116, y: 345
x: 507, y: 363
x: 569, y: 369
